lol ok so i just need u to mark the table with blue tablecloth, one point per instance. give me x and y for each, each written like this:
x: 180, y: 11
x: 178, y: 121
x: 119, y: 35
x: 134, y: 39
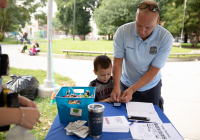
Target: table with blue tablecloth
x: 57, y: 131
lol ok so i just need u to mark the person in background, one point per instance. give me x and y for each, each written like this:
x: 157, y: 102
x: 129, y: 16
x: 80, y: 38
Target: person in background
x: 24, y: 47
x: 19, y: 38
x: 36, y: 45
x: 141, y: 49
x: 104, y: 81
x: 32, y: 51
x: 25, y: 37
x: 27, y: 115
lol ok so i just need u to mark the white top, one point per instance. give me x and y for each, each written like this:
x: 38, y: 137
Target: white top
x: 19, y: 37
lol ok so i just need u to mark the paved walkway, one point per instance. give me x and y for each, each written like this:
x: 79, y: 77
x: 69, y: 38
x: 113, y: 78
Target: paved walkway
x: 180, y: 90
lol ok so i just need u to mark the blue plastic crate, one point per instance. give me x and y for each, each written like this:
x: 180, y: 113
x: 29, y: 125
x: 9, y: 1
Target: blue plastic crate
x: 64, y: 107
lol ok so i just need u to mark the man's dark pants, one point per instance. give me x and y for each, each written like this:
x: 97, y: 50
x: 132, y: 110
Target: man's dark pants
x: 152, y: 95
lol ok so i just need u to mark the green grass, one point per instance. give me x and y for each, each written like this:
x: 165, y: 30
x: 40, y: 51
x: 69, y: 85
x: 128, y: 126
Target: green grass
x: 39, y: 74
x: 182, y: 50
x: 9, y: 41
x: 189, y: 45
x: 87, y: 45
x: 48, y: 112
x: 101, y: 45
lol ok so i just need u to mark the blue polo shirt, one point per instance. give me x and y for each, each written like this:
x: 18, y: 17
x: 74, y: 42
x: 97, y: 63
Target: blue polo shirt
x: 139, y: 55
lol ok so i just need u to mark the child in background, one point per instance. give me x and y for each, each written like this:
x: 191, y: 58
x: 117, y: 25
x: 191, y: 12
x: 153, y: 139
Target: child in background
x: 32, y: 51
x: 24, y: 47
x: 37, y: 47
x: 104, y: 81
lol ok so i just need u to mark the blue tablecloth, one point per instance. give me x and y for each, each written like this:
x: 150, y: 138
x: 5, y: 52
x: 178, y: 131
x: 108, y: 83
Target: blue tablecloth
x: 57, y: 131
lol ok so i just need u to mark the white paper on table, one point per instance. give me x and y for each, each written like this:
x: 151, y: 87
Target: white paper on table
x: 142, y: 109
x: 154, y: 131
x: 140, y: 105
x: 115, y: 124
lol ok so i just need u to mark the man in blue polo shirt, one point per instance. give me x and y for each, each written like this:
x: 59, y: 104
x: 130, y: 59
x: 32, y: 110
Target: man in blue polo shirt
x: 141, y: 49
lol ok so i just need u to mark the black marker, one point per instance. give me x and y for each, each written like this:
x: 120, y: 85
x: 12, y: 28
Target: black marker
x: 134, y: 118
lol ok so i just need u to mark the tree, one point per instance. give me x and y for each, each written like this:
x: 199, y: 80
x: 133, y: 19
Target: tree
x: 42, y: 19
x: 84, y: 9
x: 113, y: 13
x: 82, y: 21
x: 16, y: 14
x: 174, y: 19
x: 42, y: 16
x: 57, y: 25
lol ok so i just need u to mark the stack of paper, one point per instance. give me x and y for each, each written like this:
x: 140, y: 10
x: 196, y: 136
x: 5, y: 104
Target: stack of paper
x: 142, y: 109
x: 154, y: 131
x: 115, y: 124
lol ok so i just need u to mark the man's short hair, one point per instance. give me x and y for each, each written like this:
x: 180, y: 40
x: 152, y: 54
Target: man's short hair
x: 102, y: 61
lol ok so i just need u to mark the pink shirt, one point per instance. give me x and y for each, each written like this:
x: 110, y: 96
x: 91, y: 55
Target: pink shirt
x: 33, y: 50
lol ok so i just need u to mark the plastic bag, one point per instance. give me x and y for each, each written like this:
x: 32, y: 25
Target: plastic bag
x: 25, y: 85
x: 19, y: 133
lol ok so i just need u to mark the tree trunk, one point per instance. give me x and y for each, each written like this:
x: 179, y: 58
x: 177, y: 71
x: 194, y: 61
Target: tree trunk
x: 82, y: 37
x: 194, y: 41
x: 108, y: 36
x: 185, y: 38
x: 111, y: 38
x: 2, y: 37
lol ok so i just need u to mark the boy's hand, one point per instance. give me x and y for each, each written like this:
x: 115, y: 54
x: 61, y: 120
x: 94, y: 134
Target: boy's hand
x: 106, y: 100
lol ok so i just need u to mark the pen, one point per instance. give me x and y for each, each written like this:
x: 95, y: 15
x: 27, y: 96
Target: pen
x: 133, y: 118
x: 131, y: 123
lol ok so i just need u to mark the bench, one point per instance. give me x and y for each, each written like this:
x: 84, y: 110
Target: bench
x: 90, y: 52
x: 95, y: 52
x: 184, y: 54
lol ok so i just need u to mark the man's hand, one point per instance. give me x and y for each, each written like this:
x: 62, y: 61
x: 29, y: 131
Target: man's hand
x: 25, y: 102
x: 116, y: 92
x: 126, y: 96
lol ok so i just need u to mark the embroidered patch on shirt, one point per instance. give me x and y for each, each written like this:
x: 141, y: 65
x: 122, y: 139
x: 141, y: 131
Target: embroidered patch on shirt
x: 130, y: 48
x: 153, y: 50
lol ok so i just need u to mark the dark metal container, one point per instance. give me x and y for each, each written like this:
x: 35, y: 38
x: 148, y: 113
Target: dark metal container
x: 95, y: 120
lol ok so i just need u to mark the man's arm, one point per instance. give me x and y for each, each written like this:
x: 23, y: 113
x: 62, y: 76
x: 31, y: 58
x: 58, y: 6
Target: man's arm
x: 146, y: 79
x: 117, y: 72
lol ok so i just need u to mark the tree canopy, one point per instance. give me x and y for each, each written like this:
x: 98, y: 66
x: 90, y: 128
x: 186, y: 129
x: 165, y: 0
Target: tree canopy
x: 174, y: 19
x: 110, y: 14
x: 17, y: 13
x: 84, y: 9
x: 57, y: 25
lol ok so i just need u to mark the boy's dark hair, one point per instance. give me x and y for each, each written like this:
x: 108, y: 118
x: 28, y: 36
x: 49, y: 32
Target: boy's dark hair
x: 103, y: 61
